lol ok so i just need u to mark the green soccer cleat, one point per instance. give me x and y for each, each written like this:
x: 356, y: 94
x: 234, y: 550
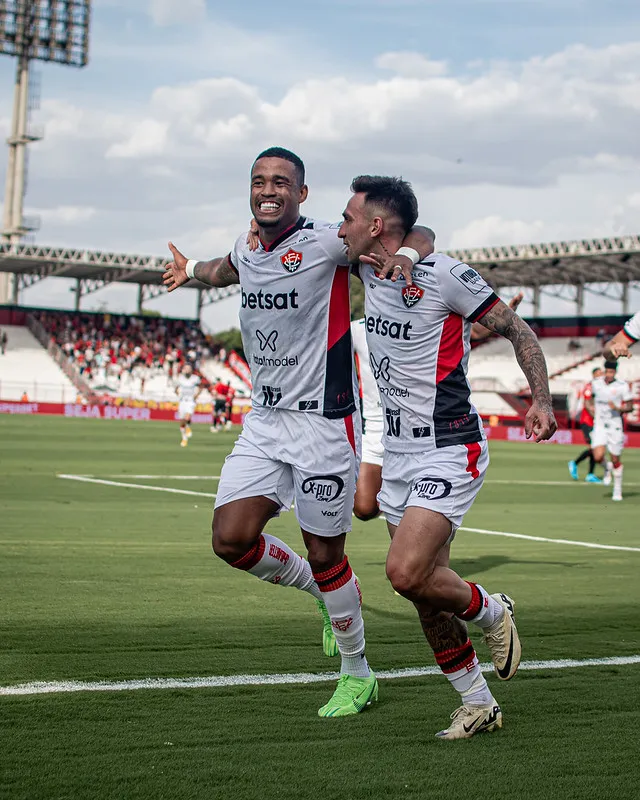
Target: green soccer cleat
x: 329, y: 644
x: 352, y: 695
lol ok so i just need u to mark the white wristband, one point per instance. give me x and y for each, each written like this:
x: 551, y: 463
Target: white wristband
x: 189, y: 269
x: 409, y: 252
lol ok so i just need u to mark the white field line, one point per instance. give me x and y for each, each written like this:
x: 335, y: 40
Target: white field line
x: 508, y: 534
x: 592, y: 545
x: 85, y: 479
x: 223, y: 681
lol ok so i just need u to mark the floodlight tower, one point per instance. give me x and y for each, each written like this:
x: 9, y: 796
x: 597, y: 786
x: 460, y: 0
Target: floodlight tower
x: 34, y: 30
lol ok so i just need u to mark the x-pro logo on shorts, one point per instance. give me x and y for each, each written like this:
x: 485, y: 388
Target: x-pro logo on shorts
x: 267, y: 341
x: 379, y: 368
x: 324, y: 487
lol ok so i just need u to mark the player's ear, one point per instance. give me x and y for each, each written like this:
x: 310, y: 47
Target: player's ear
x: 377, y: 227
x: 304, y: 192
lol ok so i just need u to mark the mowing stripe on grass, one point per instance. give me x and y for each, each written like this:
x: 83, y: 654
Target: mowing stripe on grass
x: 102, y: 482
x: 223, y: 681
x: 592, y: 545
x: 162, y: 477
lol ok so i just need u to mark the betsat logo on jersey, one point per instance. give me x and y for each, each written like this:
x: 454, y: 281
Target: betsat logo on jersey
x: 291, y: 260
x: 386, y: 327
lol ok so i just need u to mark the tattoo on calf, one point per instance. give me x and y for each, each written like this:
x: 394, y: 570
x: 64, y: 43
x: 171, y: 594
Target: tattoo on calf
x: 442, y: 630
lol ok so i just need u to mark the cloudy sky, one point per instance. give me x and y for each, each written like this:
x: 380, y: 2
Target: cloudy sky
x: 515, y: 120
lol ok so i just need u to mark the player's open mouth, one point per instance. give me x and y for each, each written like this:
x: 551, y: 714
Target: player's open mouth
x: 269, y: 207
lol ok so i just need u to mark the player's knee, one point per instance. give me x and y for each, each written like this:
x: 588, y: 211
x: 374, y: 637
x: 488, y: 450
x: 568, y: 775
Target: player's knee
x: 403, y: 578
x: 225, y: 545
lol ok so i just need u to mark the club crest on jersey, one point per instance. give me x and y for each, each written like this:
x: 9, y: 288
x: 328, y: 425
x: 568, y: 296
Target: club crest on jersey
x: 291, y: 260
x: 411, y: 295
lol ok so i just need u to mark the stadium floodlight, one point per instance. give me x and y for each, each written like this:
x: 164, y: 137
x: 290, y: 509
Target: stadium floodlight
x: 34, y: 30
x: 46, y: 30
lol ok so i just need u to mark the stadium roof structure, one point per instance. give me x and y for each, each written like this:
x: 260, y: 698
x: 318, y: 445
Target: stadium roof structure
x: 607, y: 267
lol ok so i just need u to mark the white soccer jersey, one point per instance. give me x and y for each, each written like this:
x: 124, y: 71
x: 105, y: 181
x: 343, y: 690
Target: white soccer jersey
x: 187, y: 387
x: 371, y: 404
x: 632, y: 328
x: 616, y: 392
x: 295, y: 320
x: 419, y: 341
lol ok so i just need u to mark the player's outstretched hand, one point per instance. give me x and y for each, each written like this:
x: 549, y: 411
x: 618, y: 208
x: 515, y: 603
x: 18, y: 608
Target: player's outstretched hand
x: 253, y: 237
x: 540, y: 423
x: 390, y: 265
x: 515, y: 301
x: 176, y: 274
x: 618, y: 350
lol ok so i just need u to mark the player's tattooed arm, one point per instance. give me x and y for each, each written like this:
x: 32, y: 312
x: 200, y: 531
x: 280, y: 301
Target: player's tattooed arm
x: 540, y: 421
x: 217, y: 272
x: 419, y: 238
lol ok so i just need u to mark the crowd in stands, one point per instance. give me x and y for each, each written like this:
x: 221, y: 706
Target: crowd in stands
x: 116, y: 344
x: 114, y: 350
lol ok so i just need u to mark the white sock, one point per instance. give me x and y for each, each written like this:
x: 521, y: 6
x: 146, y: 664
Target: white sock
x: 183, y: 433
x: 343, y: 599
x: 617, y: 481
x: 273, y: 561
x: 483, y: 610
x: 460, y: 666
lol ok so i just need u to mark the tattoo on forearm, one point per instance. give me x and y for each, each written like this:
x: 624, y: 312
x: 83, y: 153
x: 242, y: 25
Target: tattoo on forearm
x: 218, y: 272
x: 442, y: 630
x: 504, y: 321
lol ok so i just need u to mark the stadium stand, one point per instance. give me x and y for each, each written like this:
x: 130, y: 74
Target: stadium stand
x: 135, y: 357
x: 28, y: 372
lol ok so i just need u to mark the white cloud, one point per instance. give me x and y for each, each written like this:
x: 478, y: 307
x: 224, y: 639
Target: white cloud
x: 66, y: 215
x: 495, y: 230
x: 171, y: 12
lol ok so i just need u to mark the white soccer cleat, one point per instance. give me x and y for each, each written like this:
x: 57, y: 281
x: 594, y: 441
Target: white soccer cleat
x: 617, y: 498
x: 466, y: 721
x: 503, y: 641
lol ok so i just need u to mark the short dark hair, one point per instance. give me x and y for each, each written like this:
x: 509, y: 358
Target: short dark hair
x: 393, y: 194
x: 287, y: 155
x: 595, y: 369
x: 611, y: 365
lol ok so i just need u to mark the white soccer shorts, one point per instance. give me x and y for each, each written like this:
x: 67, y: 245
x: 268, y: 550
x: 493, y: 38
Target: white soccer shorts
x: 609, y: 435
x: 372, y: 447
x: 445, y: 480
x: 186, y: 408
x: 292, y: 456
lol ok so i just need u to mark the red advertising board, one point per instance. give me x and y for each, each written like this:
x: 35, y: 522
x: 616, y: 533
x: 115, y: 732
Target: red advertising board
x: 510, y: 433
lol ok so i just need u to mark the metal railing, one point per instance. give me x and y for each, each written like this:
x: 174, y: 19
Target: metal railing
x: 34, y: 391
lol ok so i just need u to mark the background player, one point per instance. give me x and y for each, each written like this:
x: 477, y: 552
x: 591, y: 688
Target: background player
x: 611, y: 399
x: 586, y: 425
x: 370, y: 476
x: 618, y: 347
x: 188, y: 389
x: 301, y: 439
x: 435, y: 449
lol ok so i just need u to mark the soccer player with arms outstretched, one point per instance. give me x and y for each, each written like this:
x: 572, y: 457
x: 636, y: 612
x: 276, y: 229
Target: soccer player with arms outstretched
x: 435, y: 448
x: 611, y: 398
x: 188, y: 389
x: 301, y: 439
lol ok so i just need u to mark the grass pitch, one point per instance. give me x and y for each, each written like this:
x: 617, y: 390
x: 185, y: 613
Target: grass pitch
x: 101, y: 582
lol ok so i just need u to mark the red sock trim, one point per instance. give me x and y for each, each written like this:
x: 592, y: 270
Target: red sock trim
x: 456, y: 658
x: 475, y: 605
x: 250, y: 559
x: 334, y: 578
